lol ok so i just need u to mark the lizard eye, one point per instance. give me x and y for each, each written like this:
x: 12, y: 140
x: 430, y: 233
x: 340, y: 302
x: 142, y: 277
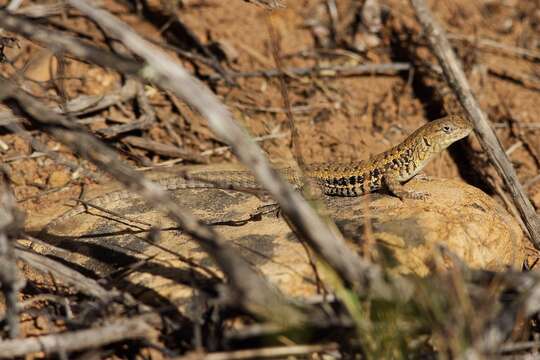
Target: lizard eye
x: 447, y: 128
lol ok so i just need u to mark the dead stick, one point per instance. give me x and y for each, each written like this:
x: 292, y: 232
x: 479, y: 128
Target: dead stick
x: 327, y: 71
x: 77, y: 340
x: 11, y: 280
x: 456, y: 79
x: 269, y: 352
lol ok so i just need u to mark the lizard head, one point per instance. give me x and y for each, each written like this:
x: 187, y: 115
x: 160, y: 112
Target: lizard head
x: 441, y: 133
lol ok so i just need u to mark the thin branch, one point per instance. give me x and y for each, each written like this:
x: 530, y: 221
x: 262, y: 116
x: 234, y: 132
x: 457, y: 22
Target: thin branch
x: 327, y: 71
x: 78, y: 340
x: 85, y: 104
x: 276, y: 53
x: 269, y: 352
x: 495, y: 45
x: 488, y: 139
x: 58, y: 42
x: 164, y: 149
x: 11, y: 281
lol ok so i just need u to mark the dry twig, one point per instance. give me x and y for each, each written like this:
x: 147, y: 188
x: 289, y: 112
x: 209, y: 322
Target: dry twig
x: 327, y: 71
x: 163, y: 149
x: 498, y: 46
x: 11, y: 281
x: 270, y: 352
x: 78, y: 340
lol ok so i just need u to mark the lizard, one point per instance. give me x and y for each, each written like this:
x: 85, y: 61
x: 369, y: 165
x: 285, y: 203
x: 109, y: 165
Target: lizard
x: 387, y: 170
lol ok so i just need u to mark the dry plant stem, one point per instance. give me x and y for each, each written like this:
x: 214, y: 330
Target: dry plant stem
x: 276, y: 53
x: 120, y: 330
x: 41, y: 10
x: 91, y: 103
x: 11, y: 280
x: 86, y: 104
x: 323, y: 237
x: 250, y: 290
x: 500, y: 47
x: 270, y: 352
x: 141, y: 123
x: 457, y: 81
x: 328, y: 71
x: 164, y: 149
x: 58, y: 42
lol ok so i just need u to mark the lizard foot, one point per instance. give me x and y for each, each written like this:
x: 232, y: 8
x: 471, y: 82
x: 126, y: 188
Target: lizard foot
x: 269, y: 208
x: 414, y: 195
x: 422, y: 176
x: 395, y: 188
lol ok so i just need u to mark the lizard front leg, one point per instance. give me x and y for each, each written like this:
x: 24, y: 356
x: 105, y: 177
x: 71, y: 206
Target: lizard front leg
x: 391, y: 182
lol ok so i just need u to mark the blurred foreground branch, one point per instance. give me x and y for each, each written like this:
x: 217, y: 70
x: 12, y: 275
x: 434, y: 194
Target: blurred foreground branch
x: 11, y: 280
x: 78, y: 340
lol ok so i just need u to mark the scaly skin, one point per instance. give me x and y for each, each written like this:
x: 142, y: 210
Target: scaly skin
x: 388, y: 169
x: 391, y: 168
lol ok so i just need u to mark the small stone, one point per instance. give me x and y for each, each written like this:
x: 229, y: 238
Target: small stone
x: 44, y: 68
x: 21, y: 146
x: 3, y: 146
x: 58, y: 178
x: 16, y: 178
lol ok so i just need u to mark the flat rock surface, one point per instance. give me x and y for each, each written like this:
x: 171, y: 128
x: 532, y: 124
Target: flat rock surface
x: 119, y: 244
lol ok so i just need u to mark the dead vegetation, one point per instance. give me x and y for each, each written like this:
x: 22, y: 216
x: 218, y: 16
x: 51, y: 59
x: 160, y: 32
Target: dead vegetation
x: 93, y: 92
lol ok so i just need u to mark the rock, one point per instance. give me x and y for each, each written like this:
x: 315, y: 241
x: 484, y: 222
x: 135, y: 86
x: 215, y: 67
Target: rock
x: 21, y: 146
x: 43, y: 68
x: 58, y: 178
x: 407, y: 235
x: 456, y: 216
